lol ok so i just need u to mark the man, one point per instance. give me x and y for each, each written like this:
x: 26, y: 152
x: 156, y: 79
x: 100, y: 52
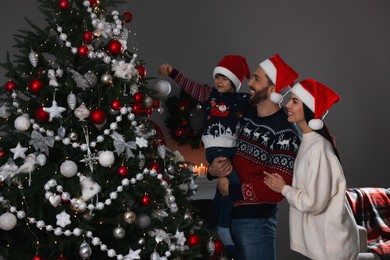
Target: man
x: 266, y: 142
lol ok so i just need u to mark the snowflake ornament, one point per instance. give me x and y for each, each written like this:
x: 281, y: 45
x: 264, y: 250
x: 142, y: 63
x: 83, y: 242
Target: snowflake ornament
x: 63, y: 219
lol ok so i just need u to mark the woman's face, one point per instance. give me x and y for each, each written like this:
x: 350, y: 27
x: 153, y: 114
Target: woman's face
x: 294, y: 109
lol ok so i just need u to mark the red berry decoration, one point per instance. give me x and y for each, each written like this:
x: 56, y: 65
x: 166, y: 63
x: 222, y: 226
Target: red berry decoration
x: 183, y: 123
x: 116, y: 105
x: 10, y: 86
x: 2, y: 153
x: 127, y: 17
x: 114, y: 47
x: 193, y: 240
x: 123, y: 171
x: 87, y: 37
x: 141, y: 71
x: 41, y: 115
x: 98, y: 116
x: 35, y: 86
x: 64, y: 4
x: 218, y: 246
x: 146, y: 200
x: 148, y: 111
x: 139, y: 96
x: 82, y: 50
x: 93, y: 2
x: 156, y: 103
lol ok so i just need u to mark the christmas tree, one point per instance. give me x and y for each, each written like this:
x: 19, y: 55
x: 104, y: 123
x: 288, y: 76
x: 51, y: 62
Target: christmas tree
x: 84, y: 171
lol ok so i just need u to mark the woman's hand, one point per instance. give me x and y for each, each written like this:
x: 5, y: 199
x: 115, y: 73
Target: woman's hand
x: 223, y: 186
x: 220, y: 167
x: 165, y: 69
x: 274, y: 181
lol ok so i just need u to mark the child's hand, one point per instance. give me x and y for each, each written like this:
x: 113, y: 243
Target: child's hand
x: 165, y: 69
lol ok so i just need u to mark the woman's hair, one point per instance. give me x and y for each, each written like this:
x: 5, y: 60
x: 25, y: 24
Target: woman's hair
x: 325, y: 132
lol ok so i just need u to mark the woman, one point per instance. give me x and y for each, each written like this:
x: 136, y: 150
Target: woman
x: 321, y: 223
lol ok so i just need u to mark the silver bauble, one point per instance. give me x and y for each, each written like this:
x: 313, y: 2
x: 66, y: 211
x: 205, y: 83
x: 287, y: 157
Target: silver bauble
x: 211, y: 247
x: 7, y: 221
x: 41, y: 159
x: 73, y: 136
x: 85, y: 250
x: 141, y: 160
x: 91, y: 78
x: 119, y: 232
x: 161, y: 151
x: 82, y: 112
x: 154, y: 256
x: 148, y: 102
x: 163, y: 87
x: 143, y: 220
x: 129, y: 217
x: 198, y: 106
x: 68, y: 168
x: 106, y: 79
x: 171, y: 168
x: 72, y: 100
x: 22, y: 123
x: 33, y: 57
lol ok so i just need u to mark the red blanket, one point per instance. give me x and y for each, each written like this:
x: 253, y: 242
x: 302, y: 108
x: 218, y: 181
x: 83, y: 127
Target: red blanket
x: 371, y: 208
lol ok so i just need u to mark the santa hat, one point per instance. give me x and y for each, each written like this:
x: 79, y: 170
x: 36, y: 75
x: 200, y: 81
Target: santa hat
x: 235, y: 68
x: 280, y: 74
x: 317, y: 97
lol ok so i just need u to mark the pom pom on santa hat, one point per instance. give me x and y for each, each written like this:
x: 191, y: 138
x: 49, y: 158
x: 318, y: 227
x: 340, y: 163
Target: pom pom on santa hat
x: 317, y: 97
x: 235, y: 68
x: 281, y: 75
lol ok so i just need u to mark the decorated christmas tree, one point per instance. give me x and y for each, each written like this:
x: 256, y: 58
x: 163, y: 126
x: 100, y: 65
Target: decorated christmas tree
x: 84, y: 171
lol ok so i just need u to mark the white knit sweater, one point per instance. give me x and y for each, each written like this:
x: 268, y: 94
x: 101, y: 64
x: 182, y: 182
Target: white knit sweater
x: 321, y: 222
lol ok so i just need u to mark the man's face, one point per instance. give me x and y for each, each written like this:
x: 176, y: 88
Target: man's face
x: 259, y: 86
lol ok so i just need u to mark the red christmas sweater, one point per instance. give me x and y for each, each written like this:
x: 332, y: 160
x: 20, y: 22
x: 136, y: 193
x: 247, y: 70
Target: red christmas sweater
x: 264, y: 144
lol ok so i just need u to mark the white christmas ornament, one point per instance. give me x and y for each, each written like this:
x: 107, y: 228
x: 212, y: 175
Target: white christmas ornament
x: 82, y: 112
x: 22, y: 123
x: 63, y: 219
x: 68, y: 168
x: 28, y: 165
x: 89, y: 188
x: 33, y: 57
x: 106, y: 158
x: 54, y: 111
x: 7, y: 221
x: 19, y: 152
x: 72, y: 100
x: 163, y: 87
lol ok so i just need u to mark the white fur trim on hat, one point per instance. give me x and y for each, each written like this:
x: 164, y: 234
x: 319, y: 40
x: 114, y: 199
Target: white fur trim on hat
x: 269, y: 69
x: 276, y: 98
x: 230, y: 75
x: 316, y: 124
x: 304, y: 96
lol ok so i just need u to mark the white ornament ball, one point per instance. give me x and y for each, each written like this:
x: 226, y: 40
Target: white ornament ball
x: 163, y: 87
x: 119, y: 232
x: 41, y: 159
x: 22, y: 123
x: 68, y: 168
x: 7, y: 221
x: 106, y: 158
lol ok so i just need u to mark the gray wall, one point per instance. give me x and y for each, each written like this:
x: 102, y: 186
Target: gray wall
x: 344, y: 44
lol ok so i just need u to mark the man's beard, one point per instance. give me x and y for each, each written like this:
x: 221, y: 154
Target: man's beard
x: 259, y: 96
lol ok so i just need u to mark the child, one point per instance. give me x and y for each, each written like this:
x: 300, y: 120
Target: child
x: 224, y: 107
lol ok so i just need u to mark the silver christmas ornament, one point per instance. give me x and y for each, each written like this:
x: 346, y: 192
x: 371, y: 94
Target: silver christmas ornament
x: 82, y: 112
x: 73, y: 136
x: 88, y: 216
x: 141, y: 241
x: 72, y: 100
x: 143, y: 220
x: 163, y: 87
x: 81, y: 81
x: 85, y: 250
x: 154, y: 256
x: 119, y: 232
x: 148, y: 102
x: 133, y: 89
x: 91, y: 78
x: 129, y: 217
x: 198, y: 106
x: 106, y: 79
x: 33, y: 57
x: 210, y: 247
x: 7, y: 221
x: 141, y: 160
x: 161, y: 151
x: 41, y: 159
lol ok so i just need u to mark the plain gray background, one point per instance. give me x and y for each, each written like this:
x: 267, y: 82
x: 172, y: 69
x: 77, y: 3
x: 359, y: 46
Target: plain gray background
x: 344, y: 44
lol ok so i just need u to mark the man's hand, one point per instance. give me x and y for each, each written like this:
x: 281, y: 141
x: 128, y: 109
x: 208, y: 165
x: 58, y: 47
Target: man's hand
x: 220, y: 167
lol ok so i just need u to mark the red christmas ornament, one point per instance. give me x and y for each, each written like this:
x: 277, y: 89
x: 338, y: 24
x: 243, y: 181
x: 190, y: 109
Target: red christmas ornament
x: 183, y: 123
x: 139, y: 96
x: 156, y: 103
x: 141, y: 71
x: 10, y: 86
x: 127, y: 17
x: 123, y: 171
x: 146, y: 200
x: 98, y: 116
x: 178, y: 132
x: 2, y: 153
x: 41, y: 115
x: 114, y: 47
x: 82, y: 50
x: 64, y: 4
x: 93, y: 2
x: 148, y: 111
x: 35, y: 86
x: 218, y: 246
x: 156, y: 166
x: 37, y: 257
x: 137, y: 108
x: 87, y: 37
x: 193, y: 240
x: 116, y: 105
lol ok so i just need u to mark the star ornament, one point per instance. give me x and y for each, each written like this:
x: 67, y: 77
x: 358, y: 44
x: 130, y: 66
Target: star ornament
x: 54, y: 111
x: 19, y: 151
x: 133, y: 254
